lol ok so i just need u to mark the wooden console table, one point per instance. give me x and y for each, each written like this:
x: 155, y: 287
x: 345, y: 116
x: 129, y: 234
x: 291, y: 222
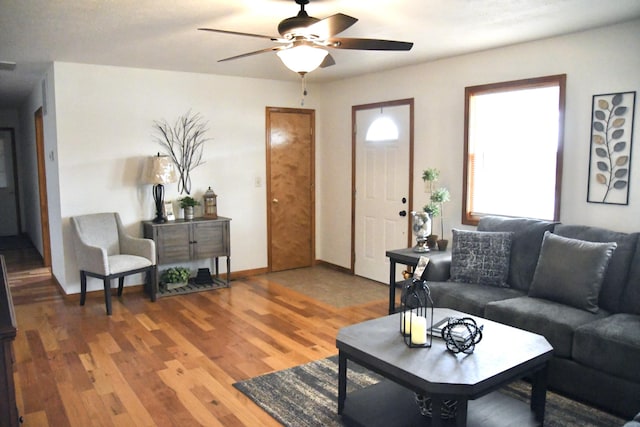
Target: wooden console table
x: 191, y: 240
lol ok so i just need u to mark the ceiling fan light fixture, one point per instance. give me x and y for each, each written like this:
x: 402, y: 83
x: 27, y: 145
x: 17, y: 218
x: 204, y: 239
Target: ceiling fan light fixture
x: 302, y: 59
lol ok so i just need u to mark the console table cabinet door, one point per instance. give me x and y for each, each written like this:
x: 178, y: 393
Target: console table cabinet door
x: 173, y: 243
x: 211, y: 239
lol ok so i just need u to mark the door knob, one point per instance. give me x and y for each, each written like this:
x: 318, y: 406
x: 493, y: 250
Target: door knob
x: 275, y: 201
x: 402, y: 213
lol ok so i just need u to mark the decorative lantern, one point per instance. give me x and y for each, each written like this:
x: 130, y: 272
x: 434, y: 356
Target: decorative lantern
x: 416, y: 310
x: 210, y: 204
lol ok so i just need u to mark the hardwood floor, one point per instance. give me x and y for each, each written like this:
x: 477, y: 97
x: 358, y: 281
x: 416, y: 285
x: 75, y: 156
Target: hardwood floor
x: 168, y: 363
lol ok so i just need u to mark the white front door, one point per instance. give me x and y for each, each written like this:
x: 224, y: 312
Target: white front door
x: 381, y: 192
x: 8, y: 203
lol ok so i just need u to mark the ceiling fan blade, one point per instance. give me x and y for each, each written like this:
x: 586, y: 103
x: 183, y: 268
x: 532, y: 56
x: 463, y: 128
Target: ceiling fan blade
x: 237, y: 33
x: 269, y: 49
x: 367, y: 44
x: 328, y: 61
x: 331, y: 25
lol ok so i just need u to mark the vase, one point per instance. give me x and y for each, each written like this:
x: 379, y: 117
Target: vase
x: 421, y: 228
x: 188, y: 212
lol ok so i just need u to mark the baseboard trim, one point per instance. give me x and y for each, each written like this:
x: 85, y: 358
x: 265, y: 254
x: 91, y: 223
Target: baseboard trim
x: 334, y: 266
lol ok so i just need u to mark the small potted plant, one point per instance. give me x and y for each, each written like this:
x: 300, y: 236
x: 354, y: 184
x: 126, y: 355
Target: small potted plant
x: 187, y: 203
x: 175, y: 277
x: 433, y: 210
x: 437, y: 198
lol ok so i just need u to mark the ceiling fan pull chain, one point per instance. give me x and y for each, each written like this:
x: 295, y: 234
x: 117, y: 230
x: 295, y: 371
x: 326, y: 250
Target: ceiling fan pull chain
x: 304, y: 90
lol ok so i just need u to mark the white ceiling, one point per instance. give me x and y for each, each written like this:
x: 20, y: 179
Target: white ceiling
x: 161, y: 34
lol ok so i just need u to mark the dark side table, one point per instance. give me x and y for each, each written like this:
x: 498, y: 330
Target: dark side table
x: 408, y: 257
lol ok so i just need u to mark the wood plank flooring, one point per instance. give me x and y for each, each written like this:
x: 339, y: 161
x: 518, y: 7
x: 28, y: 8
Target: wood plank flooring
x: 168, y: 363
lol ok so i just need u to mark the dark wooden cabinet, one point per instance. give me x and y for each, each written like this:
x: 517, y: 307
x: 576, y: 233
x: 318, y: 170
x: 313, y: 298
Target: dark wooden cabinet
x: 8, y: 408
x: 191, y: 240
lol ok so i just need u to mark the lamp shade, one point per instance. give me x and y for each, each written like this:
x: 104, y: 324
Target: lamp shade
x: 382, y: 129
x: 160, y: 170
x: 302, y: 58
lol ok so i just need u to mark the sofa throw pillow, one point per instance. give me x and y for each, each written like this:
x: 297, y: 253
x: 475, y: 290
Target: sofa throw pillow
x: 480, y: 257
x: 570, y: 271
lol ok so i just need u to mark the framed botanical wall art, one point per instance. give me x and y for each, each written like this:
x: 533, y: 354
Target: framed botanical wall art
x: 612, y: 118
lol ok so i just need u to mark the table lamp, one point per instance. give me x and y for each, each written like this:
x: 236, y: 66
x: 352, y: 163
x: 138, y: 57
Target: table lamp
x: 160, y: 170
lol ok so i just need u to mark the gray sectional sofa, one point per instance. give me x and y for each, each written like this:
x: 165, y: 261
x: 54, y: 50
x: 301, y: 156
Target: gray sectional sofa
x: 578, y: 286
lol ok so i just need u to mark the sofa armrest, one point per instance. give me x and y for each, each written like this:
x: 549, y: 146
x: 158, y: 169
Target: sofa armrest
x: 439, y: 268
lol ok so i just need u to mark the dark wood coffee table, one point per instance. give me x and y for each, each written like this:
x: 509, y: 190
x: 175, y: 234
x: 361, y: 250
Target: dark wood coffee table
x: 504, y: 355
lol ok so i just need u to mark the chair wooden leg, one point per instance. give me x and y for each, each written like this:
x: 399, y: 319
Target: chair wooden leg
x: 107, y: 295
x: 153, y: 283
x: 120, y: 285
x: 83, y: 287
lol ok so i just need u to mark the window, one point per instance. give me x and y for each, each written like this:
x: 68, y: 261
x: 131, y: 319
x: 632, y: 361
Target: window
x: 513, y: 149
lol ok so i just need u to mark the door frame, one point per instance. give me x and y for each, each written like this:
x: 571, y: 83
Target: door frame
x: 312, y: 172
x: 42, y: 187
x: 376, y: 105
x: 16, y: 184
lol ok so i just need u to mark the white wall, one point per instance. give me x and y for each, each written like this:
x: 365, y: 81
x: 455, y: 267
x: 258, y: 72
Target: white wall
x: 600, y: 61
x: 104, y: 134
x: 98, y: 131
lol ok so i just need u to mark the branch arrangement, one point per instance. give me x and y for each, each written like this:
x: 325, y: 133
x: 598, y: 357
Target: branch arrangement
x: 184, y: 141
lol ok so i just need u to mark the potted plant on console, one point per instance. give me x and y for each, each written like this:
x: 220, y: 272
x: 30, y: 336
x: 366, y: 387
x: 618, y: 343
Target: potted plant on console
x: 187, y: 203
x: 175, y: 277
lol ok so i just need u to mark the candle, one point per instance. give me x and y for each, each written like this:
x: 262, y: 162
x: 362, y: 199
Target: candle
x: 406, y: 322
x: 418, y: 330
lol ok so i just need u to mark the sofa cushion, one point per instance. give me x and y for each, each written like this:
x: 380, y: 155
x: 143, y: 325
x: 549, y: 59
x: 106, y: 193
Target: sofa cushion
x: 630, y: 301
x: 557, y: 322
x: 467, y: 297
x: 480, y: 257
x: 570, y: 271
x: 618, y: 270
x: 525, y: 245
x: 611, y: 345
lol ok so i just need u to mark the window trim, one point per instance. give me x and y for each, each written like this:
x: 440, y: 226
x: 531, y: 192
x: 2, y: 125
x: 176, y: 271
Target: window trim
x: 468, y: 218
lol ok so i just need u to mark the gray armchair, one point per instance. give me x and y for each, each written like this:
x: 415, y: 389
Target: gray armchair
x: 105, y: 251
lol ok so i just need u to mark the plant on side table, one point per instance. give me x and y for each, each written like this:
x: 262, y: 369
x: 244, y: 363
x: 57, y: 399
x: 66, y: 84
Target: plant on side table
x: 175, y: 277
x: 437, y: 198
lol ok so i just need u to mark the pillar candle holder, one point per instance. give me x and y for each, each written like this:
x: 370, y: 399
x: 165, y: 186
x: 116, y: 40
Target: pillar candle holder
x: 416, y: 318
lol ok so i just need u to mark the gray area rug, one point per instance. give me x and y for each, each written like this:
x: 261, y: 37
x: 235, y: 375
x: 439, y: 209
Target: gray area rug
x: 306, y: 396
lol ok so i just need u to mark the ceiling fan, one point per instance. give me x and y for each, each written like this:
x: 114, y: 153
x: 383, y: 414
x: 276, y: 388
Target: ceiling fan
x: 303, y: 39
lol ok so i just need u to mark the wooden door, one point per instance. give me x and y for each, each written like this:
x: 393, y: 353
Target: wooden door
x: 290, y: 187
x: 42, y: 186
